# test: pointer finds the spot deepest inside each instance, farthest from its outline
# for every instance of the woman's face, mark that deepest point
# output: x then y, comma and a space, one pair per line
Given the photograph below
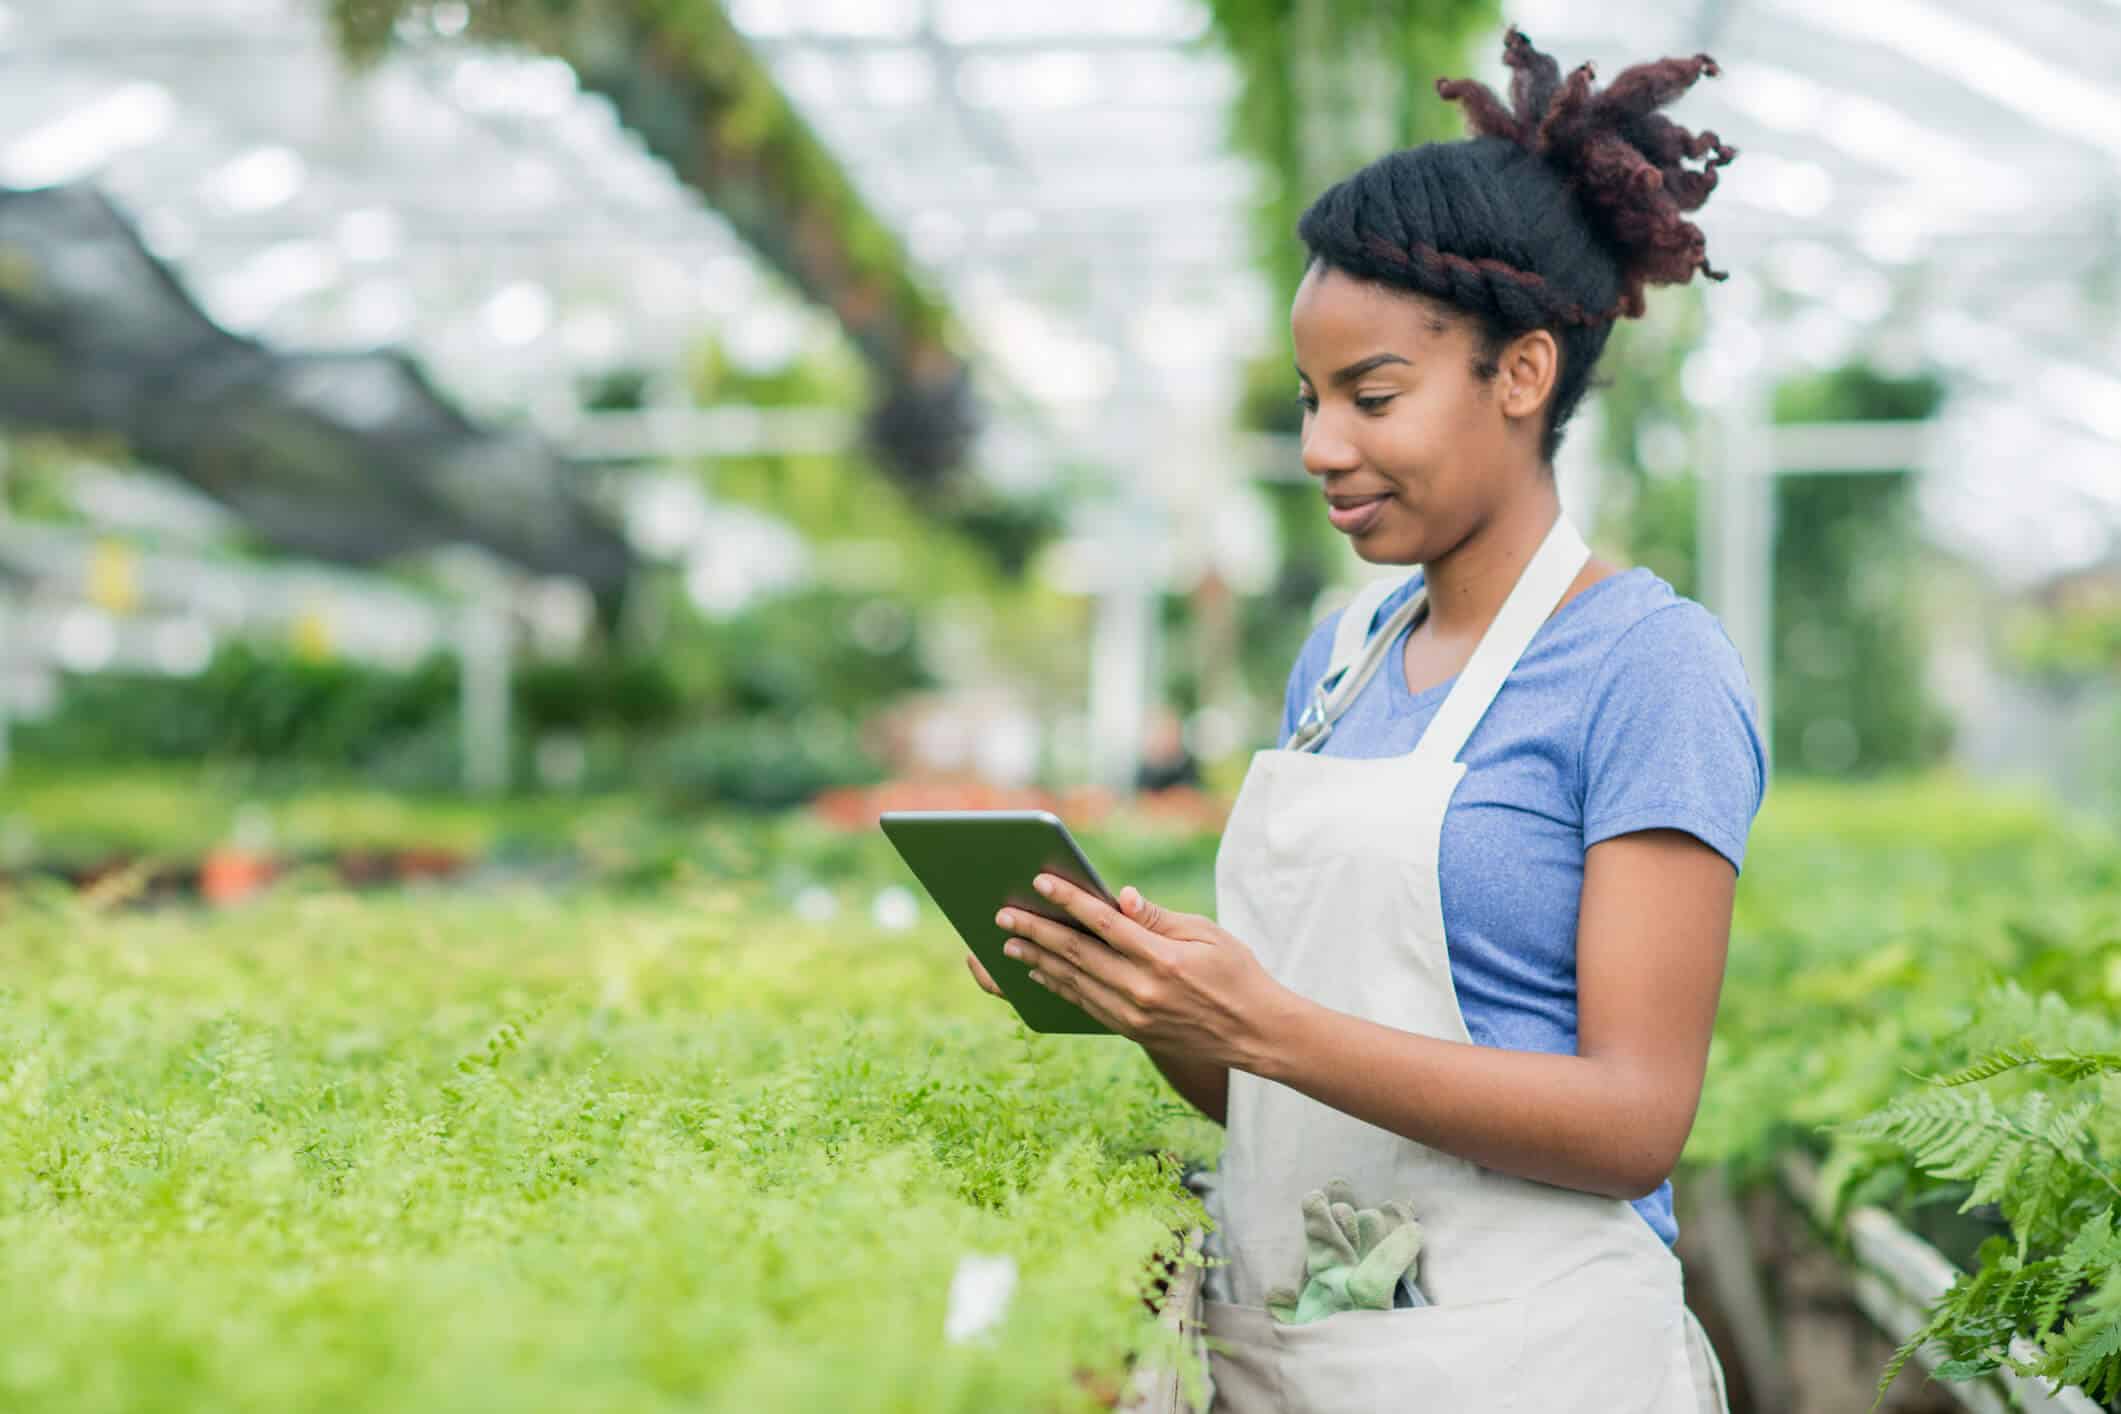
1413, 450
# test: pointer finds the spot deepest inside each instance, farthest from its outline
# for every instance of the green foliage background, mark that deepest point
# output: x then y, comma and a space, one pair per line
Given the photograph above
1850, 636
1851, 659
1892, 934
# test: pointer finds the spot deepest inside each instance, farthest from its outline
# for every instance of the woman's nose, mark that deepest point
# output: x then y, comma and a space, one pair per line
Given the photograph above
1325, 451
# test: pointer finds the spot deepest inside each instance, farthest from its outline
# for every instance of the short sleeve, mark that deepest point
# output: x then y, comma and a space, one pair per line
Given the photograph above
1671, 735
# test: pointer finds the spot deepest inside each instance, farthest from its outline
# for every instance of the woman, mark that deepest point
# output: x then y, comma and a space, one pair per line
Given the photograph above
1473, 913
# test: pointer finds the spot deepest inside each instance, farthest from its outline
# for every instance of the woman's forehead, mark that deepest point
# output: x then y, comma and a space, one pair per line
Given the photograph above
1332, 305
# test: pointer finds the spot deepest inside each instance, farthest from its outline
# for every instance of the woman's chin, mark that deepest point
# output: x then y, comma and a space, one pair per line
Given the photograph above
1382, 547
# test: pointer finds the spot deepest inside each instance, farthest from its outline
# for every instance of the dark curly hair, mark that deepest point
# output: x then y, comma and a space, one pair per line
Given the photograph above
1563, 204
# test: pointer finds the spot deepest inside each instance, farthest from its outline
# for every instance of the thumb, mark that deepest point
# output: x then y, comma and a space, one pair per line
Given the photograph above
1158, 919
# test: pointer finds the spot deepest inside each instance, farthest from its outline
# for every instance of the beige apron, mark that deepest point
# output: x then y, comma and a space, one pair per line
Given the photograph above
1546, 1299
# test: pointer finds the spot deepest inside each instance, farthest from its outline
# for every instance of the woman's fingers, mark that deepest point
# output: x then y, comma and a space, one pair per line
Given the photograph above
1087, 952
981, 975
1102, 919
1153, 916
1102, 1001
1167, 922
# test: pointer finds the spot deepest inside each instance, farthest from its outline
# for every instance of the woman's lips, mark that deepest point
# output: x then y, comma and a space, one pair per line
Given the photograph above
1353, 517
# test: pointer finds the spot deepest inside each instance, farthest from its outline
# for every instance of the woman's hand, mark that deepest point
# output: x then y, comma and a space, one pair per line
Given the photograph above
1176, 983
981, 975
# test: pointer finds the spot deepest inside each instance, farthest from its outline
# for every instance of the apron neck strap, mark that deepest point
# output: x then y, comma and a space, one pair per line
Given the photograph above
1353, 634
1357, 654
1531, 602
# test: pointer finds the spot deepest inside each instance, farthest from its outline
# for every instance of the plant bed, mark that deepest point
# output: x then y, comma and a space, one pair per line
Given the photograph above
226, 875
457, 1150
1168, 1385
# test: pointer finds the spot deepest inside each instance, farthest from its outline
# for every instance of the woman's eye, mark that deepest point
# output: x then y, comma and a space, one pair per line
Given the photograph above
1375, 404
1307, 402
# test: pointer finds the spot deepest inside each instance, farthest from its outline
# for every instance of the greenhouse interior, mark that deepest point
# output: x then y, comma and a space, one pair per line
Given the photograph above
503, 502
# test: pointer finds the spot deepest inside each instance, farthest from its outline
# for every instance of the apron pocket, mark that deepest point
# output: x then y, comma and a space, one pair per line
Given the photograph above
1597, 1345
1419, 1360
1244, 1364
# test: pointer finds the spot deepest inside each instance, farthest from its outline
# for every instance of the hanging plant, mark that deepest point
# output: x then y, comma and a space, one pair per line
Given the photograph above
1330, 84
681, 76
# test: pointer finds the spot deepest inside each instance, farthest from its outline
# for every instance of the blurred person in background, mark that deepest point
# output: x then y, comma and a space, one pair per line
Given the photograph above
1166, 759
1473, 912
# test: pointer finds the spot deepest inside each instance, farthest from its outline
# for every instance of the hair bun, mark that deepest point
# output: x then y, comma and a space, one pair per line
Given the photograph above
1623, 158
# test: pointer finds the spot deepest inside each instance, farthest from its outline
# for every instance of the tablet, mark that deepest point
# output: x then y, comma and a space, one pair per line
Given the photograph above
975, 863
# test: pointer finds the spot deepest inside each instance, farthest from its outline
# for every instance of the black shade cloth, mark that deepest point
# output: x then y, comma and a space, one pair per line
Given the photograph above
350, 457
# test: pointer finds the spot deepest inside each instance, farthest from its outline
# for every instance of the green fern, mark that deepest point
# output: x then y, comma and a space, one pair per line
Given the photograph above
2065, 1065
1972, 1324
2087, 1351
2093, 1251
2056, 1281
2036, 1163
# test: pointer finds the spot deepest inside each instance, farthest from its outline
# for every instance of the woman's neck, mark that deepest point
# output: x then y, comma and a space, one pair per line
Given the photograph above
1467, 587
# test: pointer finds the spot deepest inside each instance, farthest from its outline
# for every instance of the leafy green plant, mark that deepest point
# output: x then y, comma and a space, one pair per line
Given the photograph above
1921, 987
1868, 923
2070, 644
1849, 658
2041, 1158
633, 693
761, 764
651, 1091
249, 702
456, 1151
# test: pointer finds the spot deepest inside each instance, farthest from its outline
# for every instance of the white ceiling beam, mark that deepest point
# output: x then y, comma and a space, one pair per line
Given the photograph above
855, 46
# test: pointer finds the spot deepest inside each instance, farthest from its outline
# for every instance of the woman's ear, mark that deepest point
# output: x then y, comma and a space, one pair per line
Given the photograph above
1530, 365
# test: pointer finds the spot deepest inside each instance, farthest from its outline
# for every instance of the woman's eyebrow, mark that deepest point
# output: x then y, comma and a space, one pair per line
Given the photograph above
1361, 366
1356, 370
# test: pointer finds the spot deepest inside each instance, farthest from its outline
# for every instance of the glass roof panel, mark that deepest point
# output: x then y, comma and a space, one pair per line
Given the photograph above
470, 204
1918, 178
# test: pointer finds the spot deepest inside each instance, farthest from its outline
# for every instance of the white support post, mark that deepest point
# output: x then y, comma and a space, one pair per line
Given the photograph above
1735, 539
7, 676
1122, 648
7, 627
484, 653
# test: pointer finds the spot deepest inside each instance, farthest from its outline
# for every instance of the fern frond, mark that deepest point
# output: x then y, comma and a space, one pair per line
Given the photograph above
1944, 1133
2094, 1251
2087, 1353
2062, 1065
1956, 1134
1894, 1366
1971, 1324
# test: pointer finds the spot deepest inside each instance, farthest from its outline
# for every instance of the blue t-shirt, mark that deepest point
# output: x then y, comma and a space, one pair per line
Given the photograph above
1630, 710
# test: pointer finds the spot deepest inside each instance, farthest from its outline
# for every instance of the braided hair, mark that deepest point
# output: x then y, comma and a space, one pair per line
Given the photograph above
1561, 207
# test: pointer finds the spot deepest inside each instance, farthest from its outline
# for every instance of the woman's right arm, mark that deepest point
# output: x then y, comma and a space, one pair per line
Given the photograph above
1205, 1087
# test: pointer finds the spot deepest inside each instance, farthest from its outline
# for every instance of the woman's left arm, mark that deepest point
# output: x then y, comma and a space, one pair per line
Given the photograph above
1652, 934
1653, 929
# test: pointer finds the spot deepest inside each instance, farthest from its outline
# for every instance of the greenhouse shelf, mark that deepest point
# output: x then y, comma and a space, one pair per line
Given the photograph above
1160, 1389
1897, 1277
